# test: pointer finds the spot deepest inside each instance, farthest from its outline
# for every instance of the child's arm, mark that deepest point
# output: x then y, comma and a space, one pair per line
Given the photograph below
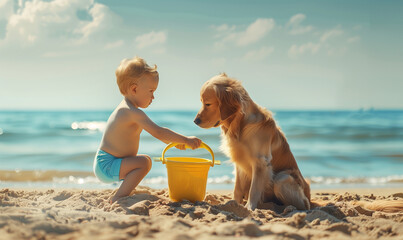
164, 134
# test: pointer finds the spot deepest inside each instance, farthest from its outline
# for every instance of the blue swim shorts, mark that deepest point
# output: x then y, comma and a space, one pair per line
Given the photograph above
107, 167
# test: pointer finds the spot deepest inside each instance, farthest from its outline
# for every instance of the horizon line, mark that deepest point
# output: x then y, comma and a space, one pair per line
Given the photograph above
196, 109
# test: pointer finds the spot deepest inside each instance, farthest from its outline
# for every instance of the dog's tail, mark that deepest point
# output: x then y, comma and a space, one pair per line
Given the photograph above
389, 206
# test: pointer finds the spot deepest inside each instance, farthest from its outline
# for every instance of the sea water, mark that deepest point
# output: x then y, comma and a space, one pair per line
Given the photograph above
332, 148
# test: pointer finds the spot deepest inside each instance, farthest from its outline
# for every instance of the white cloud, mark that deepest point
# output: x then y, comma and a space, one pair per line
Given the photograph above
325, 42
296, 19
151, 39
6, 9
56, 22
260, 54
294, 25
328, 35
252, 34
223, 28
255, 31
310, 47
102, 19
354, 39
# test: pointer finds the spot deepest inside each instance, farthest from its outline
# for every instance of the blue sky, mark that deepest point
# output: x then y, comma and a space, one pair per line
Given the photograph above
288, 54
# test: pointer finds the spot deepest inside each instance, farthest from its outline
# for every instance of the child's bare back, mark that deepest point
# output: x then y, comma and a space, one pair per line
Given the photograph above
122, 133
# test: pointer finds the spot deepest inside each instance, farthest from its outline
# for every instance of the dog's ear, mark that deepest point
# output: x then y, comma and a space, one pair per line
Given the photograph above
229, 100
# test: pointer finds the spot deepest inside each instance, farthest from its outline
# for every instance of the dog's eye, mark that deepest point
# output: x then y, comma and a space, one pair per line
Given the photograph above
207, 104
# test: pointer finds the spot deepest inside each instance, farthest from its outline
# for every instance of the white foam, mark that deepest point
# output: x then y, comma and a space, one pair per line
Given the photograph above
148, 181
221, 180
352, 180
155, 180
89, 125
76, 180
229, 180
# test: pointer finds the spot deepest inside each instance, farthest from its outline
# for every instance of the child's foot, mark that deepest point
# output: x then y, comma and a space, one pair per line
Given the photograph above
113, 199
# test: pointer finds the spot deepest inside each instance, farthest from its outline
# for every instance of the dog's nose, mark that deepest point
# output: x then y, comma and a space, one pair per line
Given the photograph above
197, 121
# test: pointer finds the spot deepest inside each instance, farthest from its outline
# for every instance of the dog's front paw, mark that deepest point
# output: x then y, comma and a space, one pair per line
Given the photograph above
238, 198
251, 206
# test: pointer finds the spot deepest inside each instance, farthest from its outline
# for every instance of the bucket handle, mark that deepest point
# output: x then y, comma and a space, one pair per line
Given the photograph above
202, 145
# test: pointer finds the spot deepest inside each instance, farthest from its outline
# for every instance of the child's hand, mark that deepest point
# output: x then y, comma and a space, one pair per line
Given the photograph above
193, 142
181, 146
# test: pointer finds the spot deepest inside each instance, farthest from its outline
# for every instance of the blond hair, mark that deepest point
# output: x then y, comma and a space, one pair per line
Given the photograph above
130, 71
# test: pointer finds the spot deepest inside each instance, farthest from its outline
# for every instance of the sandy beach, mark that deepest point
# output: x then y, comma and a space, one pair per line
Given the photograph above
149, 214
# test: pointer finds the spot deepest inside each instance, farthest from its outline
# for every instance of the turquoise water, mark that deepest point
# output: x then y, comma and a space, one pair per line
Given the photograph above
332, 148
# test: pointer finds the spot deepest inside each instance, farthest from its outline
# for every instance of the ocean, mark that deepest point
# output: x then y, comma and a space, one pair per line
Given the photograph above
334, 149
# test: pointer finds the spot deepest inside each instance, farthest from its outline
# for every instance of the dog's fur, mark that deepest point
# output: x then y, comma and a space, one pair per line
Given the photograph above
265, 167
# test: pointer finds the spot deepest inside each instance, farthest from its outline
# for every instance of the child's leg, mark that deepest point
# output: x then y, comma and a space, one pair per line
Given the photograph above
132, 170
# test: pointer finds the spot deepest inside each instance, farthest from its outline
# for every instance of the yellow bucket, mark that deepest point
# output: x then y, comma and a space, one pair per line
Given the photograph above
187, 176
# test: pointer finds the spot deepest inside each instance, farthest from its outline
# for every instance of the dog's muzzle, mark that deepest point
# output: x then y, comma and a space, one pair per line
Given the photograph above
197, 121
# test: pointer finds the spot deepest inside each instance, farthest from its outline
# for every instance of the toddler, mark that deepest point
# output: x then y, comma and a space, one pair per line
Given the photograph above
117, 157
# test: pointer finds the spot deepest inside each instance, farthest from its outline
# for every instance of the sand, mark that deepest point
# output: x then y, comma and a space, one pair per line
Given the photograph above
149, 214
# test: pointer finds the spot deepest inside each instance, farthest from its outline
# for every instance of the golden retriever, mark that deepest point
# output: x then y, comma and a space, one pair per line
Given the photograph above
265, 167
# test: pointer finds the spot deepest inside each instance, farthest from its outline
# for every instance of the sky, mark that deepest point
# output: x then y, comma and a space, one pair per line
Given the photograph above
291, 55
